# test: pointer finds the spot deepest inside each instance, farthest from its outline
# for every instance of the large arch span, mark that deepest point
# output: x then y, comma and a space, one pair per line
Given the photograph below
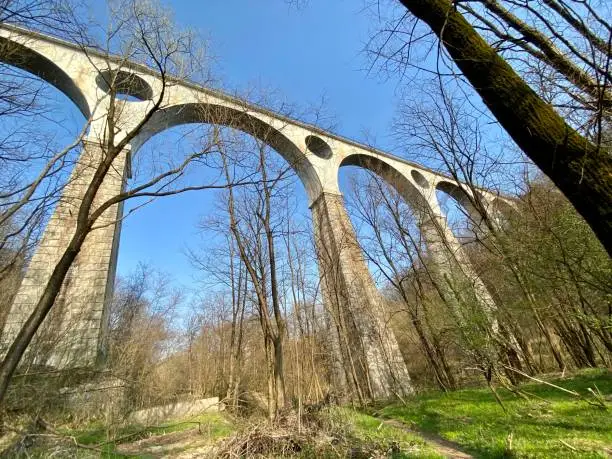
15, 52
215, 114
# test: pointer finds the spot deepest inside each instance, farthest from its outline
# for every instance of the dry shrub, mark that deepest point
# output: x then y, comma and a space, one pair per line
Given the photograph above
322, 433
262, 441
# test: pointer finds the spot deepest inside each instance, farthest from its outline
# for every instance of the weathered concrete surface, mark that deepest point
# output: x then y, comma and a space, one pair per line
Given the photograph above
364, 337
179, 410
101, 398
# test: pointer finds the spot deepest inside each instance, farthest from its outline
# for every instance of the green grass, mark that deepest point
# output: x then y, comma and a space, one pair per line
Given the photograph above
213, 425
539, 429
363, 429
551, 424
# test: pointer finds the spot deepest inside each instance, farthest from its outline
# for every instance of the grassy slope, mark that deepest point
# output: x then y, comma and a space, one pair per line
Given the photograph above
474, 420
369, 430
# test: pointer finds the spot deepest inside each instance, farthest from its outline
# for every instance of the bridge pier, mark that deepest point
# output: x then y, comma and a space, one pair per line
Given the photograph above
450, 264
368, 361
463, 290
73, 335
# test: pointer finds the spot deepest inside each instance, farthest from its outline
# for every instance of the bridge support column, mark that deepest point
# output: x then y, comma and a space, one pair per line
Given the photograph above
73, 335
463, 290
370, 358
452, 266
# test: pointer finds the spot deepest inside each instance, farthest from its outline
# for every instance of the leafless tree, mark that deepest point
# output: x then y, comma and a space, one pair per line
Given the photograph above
139, 333
145, 34
571, 40
254, 228
25, 105
392, 242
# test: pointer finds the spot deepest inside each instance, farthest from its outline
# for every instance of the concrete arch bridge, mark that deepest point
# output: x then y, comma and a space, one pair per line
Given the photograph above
349, 292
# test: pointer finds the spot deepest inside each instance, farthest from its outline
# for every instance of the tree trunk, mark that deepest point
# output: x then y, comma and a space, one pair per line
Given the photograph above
279, 374
581, 170
44, 305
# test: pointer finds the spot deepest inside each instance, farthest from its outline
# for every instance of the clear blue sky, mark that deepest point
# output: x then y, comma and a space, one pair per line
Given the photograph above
303, 54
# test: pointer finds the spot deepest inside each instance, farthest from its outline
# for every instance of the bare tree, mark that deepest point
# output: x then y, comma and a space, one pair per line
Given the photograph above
253, 227
140, 316
392, 242
144, 33
449, 136
448, 133
26, 106
222, 268
264, 226
572, 156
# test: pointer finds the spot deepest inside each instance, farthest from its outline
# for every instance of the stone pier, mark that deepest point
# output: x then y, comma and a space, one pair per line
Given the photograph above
369, 353
73, 335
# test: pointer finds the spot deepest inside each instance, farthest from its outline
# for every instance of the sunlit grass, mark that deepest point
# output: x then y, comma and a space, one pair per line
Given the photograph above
364, 429
211, 425
553, 424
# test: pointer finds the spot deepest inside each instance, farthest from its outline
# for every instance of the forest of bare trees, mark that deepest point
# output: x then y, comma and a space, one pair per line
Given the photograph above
516, 100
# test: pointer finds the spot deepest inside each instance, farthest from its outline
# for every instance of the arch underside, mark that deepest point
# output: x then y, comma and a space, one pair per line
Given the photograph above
208, 113
460, 196
431, 223
497, 207
392, 177
27, 59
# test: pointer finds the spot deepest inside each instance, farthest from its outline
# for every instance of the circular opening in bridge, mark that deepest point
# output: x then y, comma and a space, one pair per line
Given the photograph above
128, 86
318, 146
419, 178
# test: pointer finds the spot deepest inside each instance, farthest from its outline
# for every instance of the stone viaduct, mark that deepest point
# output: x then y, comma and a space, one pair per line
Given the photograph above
351, 297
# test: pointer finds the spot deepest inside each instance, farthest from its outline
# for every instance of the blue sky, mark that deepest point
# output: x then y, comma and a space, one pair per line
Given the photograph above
302, 54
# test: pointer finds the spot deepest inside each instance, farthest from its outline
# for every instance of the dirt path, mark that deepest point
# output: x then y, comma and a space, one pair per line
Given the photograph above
445, 447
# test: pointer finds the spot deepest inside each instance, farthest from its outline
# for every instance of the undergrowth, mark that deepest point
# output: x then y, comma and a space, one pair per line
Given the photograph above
332, 432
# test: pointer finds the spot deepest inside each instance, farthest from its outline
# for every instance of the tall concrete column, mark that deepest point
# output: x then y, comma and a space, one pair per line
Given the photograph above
370, 356
471, 302
450, 262
73, 334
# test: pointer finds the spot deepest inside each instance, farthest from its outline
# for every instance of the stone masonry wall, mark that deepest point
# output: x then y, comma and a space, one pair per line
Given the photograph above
73, 334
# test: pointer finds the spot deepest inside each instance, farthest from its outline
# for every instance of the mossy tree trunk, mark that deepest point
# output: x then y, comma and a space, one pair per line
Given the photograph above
580, 169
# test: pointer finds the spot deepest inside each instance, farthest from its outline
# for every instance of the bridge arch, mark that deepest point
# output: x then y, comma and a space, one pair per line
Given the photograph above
498, 208
210, 113
412, 193
464, 203
26, 58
